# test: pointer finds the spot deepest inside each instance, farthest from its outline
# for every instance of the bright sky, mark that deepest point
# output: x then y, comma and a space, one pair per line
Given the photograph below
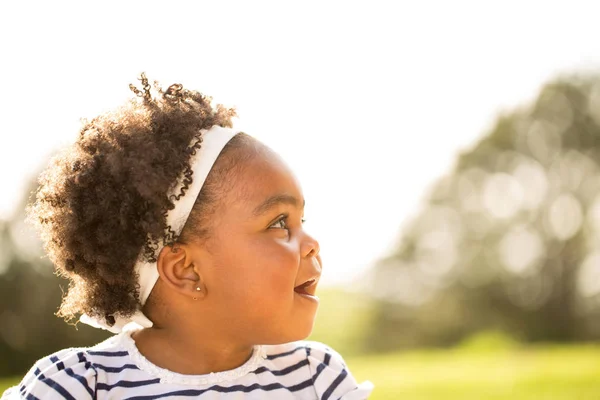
368, 101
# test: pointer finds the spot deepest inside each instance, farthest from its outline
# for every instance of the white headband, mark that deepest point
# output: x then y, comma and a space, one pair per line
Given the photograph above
213, 142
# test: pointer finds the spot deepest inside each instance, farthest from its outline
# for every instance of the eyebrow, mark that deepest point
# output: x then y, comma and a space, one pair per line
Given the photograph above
274, 201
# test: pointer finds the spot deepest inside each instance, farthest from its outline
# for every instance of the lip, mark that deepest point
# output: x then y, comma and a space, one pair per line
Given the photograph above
309, 287
309, 297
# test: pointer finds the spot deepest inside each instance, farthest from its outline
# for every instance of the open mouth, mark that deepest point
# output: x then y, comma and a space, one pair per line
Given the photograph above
307, 288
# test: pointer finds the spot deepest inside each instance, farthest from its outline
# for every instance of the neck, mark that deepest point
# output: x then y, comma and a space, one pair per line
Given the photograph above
184, 352
185, 345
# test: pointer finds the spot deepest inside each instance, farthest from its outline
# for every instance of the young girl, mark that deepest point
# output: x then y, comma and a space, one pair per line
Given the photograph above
184, 237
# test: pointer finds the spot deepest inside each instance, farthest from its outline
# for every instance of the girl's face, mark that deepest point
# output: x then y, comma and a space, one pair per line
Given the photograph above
258, 253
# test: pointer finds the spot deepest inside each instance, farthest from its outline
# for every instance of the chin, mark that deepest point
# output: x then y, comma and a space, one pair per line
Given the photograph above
292, 333
302, 334
302, 330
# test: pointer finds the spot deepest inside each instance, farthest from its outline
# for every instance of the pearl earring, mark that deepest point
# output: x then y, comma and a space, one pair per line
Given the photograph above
197, 290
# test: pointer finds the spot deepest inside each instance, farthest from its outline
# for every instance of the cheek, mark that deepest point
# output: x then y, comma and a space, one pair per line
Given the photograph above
268, 267
259, 269
274, 265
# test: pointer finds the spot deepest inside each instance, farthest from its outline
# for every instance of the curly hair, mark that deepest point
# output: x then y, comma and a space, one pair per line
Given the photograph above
102, 202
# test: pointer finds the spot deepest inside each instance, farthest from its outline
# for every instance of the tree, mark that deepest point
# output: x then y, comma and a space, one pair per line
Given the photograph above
29, 296
508, 239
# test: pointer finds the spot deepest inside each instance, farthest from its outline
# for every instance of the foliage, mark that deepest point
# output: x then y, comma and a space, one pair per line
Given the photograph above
29, 297
489, 341
508, 239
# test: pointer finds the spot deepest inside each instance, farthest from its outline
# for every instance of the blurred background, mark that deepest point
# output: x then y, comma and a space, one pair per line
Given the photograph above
449, 153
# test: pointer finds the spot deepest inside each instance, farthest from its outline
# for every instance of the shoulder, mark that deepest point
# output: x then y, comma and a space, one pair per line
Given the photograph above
324, 353
67, 374
328, 371
331, 376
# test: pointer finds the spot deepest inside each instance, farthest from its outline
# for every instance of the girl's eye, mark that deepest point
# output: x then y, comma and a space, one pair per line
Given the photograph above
280, 223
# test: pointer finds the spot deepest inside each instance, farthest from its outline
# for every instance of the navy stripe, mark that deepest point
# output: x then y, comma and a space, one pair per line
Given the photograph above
115, 369
322, 366
53, 359
274, 356
37, 371
320, 369
127, 384
300, 386
61, 390
31, 397
86, 363
284, 371
81, 380
334, 384
221, 389
108, 353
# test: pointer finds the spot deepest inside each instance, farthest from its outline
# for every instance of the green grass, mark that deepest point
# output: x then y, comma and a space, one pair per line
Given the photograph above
540, 373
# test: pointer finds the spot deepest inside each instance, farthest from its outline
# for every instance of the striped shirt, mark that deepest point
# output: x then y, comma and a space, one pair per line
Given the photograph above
114, 369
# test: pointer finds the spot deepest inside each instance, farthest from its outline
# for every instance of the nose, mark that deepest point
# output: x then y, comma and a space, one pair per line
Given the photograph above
310, 247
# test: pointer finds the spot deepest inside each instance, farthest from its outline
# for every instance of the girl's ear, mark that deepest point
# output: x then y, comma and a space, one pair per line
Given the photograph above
178, 272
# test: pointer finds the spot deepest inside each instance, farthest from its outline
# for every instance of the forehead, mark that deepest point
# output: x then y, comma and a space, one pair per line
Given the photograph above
261, 176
